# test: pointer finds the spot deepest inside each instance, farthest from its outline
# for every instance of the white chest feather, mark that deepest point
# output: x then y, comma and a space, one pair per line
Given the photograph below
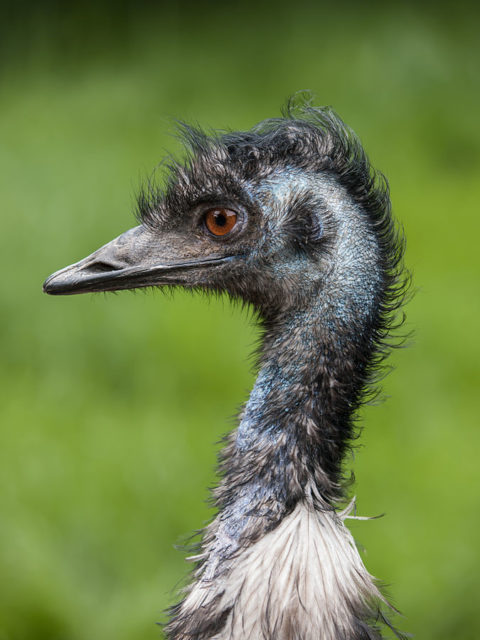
302, 581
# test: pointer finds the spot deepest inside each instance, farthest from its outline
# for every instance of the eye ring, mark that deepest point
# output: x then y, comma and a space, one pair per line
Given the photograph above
220, 221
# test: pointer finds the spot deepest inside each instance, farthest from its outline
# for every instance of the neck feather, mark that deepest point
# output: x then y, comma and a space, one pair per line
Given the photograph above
298, 421
281, 473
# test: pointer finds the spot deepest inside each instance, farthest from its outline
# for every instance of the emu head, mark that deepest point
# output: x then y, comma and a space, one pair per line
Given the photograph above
271, 216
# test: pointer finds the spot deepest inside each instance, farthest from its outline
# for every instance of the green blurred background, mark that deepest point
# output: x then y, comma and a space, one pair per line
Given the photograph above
111, 405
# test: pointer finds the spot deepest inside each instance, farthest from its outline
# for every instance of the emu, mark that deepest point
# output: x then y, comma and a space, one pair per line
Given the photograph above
291, 219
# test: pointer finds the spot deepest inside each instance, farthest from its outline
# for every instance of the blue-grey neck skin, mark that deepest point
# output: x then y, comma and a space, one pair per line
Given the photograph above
296, 425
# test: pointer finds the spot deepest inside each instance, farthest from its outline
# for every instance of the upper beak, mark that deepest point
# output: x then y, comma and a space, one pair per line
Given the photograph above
135, 259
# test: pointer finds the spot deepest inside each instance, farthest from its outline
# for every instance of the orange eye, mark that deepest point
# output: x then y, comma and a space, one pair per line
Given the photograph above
220, 221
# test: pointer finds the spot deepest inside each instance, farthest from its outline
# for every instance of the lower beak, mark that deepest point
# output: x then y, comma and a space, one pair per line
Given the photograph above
130, 261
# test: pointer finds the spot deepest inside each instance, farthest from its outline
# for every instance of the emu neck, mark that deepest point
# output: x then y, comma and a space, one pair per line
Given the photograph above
299, 412
294, 429
272, 560
292, 419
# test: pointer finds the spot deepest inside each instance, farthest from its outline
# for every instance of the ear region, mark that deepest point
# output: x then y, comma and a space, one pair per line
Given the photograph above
303, 226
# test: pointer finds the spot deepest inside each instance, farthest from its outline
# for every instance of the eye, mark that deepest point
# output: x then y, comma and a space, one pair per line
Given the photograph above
220, 221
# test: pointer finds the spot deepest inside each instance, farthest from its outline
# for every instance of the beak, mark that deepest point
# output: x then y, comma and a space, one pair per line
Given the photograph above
135, 259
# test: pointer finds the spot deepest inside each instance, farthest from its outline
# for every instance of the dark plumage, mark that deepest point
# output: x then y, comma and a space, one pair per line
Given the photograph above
314, 249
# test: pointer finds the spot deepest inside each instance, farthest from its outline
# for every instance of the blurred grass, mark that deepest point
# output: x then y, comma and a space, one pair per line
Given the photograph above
111, 405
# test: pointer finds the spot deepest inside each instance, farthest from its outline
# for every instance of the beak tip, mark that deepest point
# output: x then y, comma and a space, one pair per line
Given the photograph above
57, 285
47, 286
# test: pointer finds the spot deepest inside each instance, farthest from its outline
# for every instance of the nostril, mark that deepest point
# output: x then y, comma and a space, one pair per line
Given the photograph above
102, 267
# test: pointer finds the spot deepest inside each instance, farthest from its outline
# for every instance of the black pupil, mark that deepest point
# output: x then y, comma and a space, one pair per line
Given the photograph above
220, 219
